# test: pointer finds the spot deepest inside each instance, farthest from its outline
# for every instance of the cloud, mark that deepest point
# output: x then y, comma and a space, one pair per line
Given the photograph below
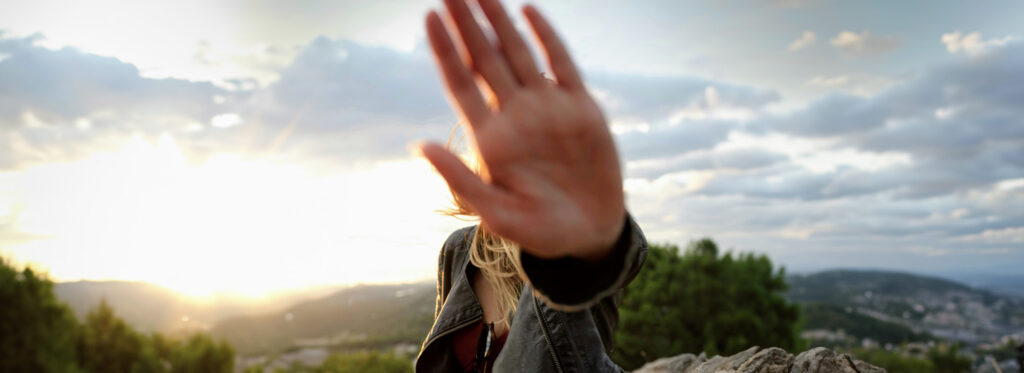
639, 98
666, 116
805, 40
355, 84
793, 3
706, 160
859, 84
673, 140
926, 171
832, 115
863, 43
925, 164
58, 86
349, 102
971, 44
959, 125
61, 104
338, 101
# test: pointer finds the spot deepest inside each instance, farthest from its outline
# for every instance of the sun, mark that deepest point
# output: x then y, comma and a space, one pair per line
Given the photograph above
230, 224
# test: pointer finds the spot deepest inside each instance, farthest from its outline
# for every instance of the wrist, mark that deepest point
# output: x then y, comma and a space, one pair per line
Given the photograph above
606, 245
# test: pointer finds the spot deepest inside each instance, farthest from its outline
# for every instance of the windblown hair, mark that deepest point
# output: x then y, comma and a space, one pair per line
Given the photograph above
495, 256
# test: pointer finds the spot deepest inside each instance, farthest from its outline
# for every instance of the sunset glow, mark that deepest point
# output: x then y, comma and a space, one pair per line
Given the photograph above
227, 224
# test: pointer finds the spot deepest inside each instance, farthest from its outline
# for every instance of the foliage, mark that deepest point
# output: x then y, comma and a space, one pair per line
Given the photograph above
703, 301
107, 344
40, 334
349, 362
949, 360
893, 361
940, 359
37, 333
200, 353
370, 362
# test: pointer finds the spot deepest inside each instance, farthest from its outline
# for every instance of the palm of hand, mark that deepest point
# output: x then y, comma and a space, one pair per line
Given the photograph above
550, 177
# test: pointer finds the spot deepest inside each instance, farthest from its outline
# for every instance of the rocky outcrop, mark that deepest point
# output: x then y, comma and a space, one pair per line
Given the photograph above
757, 360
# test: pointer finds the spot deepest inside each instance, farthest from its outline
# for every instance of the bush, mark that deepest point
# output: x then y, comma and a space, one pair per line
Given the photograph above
703, 301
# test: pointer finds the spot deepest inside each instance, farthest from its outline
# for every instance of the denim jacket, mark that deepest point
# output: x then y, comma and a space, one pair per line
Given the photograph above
566, 316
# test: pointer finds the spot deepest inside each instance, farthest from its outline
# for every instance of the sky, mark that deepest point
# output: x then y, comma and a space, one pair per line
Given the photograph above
259, 146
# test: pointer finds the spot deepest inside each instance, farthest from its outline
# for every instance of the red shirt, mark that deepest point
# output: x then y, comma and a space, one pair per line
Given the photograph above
466, 343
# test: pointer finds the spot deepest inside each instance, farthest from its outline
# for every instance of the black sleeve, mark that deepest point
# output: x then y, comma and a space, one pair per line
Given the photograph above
572, 284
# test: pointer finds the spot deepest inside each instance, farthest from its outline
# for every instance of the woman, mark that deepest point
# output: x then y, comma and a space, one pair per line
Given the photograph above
535, 287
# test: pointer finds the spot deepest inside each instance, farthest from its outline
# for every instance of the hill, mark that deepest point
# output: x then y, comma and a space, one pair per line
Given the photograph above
360, 316
924, 305
151, 307
854, 327
997, 283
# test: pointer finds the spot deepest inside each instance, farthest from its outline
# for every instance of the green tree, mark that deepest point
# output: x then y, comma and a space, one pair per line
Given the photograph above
348, 362
894, 361
947, 359
37, 332
108, 344
368, 362
200, 353
939, 359
703, 301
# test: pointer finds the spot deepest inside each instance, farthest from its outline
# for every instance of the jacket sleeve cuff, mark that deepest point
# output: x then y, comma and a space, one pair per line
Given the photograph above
572, 284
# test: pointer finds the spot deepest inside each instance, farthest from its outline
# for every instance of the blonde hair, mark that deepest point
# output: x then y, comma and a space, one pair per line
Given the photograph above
495, 256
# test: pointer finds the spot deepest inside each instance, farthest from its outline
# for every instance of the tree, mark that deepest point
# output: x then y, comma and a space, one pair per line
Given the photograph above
368, 362
108, 344
703, 301
201, 353
939, 359
37, 332
947, 359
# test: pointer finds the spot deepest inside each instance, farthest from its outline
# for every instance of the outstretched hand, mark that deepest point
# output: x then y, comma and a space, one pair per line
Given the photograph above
550, 178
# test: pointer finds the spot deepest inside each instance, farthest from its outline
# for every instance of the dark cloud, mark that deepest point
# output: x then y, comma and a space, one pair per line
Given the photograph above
345, 84
60, 86
961, 125
681, 114
338, 100
974, 96
836, 114
64, 104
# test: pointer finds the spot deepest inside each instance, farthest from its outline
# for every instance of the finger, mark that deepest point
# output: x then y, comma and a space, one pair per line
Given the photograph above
512, 45
461, 180
461, 85
484, 58
558, 57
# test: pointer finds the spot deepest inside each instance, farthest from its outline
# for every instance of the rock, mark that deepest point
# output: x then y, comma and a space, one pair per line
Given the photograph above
769, 360
821, 359
863, 367
727, 363
678, 363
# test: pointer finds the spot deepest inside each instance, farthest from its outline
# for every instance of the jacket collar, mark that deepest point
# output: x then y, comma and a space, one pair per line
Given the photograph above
461, 305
